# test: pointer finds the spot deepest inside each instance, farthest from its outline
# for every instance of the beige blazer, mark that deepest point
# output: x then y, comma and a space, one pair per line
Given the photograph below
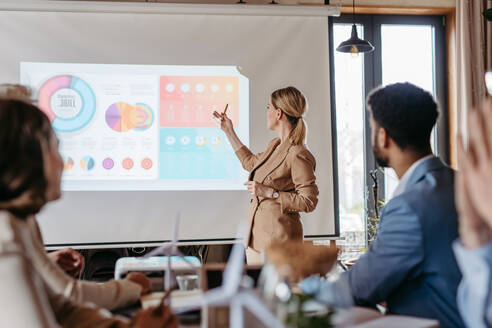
289, 170
25, 299
109, 295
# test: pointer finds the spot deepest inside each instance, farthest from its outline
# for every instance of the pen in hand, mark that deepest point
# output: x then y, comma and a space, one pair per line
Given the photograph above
225, 110
164, 301
225, 122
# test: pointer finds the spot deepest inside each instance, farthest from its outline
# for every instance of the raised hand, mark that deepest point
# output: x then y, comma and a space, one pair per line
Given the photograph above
476, 162
474, 231
225, 121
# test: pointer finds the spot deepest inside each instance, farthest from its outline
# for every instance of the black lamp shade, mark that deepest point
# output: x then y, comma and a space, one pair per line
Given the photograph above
354, 41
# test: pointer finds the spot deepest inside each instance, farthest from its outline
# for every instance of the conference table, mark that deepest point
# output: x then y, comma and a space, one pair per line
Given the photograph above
355, 317
218, 317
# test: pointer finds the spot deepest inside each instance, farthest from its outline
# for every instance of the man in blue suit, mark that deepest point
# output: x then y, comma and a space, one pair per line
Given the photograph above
410, 265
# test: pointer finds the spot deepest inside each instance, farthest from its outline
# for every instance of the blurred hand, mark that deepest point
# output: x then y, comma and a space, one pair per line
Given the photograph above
69, 260
225, 122
476, 162
142, 280
155, 317
474, 231
311, 285
258, 189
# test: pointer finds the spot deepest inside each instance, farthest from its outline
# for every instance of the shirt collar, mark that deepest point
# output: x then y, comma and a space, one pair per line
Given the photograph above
404, 179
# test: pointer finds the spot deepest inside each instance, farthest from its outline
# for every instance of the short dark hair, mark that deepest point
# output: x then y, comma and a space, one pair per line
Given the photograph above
24, 130
407, 113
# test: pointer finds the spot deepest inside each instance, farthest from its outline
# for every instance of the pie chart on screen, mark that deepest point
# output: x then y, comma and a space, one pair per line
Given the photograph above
123, 117
68, 101
69, 163
127, 163
87, 163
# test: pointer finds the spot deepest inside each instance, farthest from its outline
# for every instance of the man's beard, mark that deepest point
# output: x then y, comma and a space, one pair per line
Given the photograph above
382, 162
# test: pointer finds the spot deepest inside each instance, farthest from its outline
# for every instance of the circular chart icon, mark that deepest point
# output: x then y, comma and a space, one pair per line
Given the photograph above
146, 163
185, 87
170, 140
87, 163
108, 163
215, 88
170, 87
68, 101
216, 140
127, 163
123, 117
185, 140
68, 164
200, 141
200, 88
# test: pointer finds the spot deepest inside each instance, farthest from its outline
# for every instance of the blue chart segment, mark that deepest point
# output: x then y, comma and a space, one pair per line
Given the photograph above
191, 153
87, 163
68, 101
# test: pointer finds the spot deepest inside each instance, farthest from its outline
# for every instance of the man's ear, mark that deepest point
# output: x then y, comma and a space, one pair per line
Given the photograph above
383, 138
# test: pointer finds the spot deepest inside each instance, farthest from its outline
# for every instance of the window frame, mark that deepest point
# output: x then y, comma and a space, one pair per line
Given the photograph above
372, 77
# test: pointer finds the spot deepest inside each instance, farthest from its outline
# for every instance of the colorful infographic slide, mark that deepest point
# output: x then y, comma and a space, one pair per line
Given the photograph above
143, 127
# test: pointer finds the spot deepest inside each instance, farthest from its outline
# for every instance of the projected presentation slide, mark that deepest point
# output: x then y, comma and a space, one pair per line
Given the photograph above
143, 127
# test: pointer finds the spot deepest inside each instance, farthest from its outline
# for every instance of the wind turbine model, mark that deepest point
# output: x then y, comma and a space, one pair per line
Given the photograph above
236, 296
230, 292
169, 250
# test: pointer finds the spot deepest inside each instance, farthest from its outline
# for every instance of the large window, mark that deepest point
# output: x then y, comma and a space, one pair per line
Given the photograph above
407, 48
349, 99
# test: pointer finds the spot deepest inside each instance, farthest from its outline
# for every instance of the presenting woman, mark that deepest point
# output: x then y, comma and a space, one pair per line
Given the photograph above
281, 180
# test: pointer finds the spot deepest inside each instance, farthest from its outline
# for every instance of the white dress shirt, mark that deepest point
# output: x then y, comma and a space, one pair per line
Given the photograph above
475, 290
404, 179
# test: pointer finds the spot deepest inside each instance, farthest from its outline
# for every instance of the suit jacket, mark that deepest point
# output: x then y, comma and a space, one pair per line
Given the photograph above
289, 170
411, 264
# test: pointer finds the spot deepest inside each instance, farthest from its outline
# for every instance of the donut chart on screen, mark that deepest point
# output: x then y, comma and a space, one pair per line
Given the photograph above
123, 117
68, 101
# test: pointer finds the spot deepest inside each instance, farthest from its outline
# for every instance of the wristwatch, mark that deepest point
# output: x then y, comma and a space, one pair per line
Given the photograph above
275, 194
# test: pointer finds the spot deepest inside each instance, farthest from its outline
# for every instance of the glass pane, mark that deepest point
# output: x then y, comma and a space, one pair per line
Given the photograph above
407, 56
349, 99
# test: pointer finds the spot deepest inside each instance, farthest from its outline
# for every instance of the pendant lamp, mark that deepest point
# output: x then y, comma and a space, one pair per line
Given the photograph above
354, 45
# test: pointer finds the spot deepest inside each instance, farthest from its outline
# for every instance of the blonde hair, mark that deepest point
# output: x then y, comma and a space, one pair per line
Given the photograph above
293, 104
15, 92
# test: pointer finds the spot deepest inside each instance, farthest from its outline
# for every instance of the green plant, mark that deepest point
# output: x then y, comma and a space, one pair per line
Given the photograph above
372, 223
301, 319
487, 13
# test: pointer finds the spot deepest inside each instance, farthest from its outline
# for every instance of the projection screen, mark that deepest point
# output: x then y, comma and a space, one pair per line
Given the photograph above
108, 76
